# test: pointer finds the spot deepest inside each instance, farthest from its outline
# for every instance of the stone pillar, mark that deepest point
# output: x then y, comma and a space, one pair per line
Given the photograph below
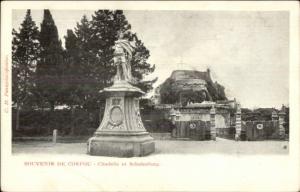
281, 123
238, 123
274, 116
54, 136
213, 123
173, 117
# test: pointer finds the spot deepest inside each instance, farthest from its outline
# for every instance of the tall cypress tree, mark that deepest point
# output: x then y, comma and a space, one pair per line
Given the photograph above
104, 34
88, 65
95, 41
71, 85
72, 71
25, 55
50, 70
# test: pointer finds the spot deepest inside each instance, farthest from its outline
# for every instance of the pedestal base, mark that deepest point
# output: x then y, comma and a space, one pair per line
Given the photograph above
121, 145
121, 132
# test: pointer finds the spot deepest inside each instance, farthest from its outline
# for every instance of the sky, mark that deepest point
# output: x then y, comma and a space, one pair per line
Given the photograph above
247, 52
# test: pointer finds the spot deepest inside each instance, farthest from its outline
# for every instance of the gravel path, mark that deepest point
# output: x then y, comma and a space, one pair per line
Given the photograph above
220, 146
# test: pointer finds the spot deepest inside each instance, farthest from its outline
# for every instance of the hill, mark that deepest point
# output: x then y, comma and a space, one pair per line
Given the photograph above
189, 85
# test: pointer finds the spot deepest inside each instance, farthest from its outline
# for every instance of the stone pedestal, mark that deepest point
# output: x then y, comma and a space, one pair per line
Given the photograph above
121, 132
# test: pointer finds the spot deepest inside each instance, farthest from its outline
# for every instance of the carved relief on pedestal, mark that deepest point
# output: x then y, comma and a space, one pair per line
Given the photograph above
114, 114
138, 115
116, 118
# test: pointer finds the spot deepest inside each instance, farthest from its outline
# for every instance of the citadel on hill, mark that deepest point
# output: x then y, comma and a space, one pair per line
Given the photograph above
199, 110
186, 86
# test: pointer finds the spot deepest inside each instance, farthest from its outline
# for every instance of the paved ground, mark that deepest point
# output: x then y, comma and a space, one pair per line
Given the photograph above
220, 146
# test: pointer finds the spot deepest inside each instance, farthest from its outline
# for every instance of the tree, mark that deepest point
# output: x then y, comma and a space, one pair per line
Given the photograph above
50, 69
72, 70
89, 65
71, 85
95, 41
25, 55
140, 66
168, 92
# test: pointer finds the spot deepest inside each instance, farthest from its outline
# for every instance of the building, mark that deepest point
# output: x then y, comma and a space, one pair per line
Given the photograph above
197, 106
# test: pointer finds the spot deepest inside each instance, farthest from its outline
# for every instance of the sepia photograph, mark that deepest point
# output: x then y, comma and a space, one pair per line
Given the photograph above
114, 88
77, 69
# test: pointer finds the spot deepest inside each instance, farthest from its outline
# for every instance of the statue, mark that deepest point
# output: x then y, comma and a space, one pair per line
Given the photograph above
121, 132
122, 58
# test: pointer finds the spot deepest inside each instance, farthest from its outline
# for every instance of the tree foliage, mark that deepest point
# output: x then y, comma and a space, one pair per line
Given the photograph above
25, 55
168, 93
90, 49
50, 68
53, 76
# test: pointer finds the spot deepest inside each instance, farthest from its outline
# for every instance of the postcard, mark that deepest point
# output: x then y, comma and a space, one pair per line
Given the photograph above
150, 96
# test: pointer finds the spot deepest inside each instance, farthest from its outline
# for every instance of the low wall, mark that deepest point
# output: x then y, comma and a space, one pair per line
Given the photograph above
253, 131
194, 130
261, 130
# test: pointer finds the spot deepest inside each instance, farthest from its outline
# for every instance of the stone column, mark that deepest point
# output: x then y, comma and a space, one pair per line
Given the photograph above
274, 116
238, 123
213, 123
173, 117
54, 136
281, 123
